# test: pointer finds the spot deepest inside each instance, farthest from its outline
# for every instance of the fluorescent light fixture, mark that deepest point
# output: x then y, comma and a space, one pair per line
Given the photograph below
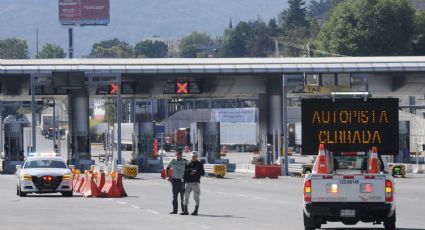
350, 94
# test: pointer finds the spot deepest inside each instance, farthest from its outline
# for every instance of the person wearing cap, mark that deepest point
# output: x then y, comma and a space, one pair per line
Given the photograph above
178, 166
194, 171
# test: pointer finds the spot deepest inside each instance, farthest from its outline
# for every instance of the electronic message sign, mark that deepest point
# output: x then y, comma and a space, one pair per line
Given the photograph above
350, 125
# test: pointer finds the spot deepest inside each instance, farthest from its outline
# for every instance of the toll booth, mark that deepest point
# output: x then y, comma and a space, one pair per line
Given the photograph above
79, 149
143, 154
13, 145
205, 139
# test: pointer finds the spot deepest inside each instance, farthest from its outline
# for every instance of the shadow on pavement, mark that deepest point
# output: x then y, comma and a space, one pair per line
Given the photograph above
371, 228
52, 196
221, 216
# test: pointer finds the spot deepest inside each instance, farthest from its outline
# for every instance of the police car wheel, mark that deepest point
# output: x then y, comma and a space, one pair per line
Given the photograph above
20, 193
67, 194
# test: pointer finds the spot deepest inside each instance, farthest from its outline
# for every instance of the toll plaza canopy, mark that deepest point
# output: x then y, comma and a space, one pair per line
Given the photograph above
216, 65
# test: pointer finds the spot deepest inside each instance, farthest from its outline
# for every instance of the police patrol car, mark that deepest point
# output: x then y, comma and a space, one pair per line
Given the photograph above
44, 173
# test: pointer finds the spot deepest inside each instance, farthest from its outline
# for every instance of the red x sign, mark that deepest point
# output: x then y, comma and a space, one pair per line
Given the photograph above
182, 88
114, 89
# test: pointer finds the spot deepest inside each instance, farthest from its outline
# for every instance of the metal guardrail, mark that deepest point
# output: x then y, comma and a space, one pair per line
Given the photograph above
299, 169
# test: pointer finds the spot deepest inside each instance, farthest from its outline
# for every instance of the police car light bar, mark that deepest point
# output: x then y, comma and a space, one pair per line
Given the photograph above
43, 154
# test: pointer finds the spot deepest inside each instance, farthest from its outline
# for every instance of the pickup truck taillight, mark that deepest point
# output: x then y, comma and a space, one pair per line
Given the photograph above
307, 191
389, 191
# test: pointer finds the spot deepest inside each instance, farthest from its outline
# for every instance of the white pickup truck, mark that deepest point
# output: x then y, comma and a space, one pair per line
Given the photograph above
349, 194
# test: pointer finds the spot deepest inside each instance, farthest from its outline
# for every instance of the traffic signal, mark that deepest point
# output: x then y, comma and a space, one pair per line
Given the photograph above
182, 87
112, 88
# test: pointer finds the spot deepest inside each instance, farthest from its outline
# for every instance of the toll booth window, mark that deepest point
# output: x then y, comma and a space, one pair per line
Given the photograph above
344, 80
328, 80
83, 146
312, 79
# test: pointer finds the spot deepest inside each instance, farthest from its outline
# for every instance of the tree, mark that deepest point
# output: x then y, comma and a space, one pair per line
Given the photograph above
150, 49
110, 113
320, 9
112, 49
369, 28
13, 48
51, 51
249, 39
418, 41
295, 15
195, 44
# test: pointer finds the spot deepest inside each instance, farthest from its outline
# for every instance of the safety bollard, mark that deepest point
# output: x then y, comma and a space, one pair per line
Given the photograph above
111, 188
90, 188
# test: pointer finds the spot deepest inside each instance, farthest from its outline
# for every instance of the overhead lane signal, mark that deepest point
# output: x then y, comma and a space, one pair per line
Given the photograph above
113, 88
183, 87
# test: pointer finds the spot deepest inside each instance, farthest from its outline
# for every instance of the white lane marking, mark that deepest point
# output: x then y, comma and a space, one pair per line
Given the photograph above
175, 218
121, 202
136, 207
200, 225
240, 195
152, 211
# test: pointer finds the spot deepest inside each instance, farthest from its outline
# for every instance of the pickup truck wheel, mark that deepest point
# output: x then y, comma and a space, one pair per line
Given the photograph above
310, 223
67, 194
389, 223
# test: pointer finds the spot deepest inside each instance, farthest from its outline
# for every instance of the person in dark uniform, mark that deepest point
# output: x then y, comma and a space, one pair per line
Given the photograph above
178, 166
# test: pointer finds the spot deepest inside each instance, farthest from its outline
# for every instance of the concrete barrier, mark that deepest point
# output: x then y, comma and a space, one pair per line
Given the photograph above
218, 170
245, 168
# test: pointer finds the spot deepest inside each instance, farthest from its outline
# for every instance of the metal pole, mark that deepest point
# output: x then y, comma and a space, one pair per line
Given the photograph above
273, 148
119, 118
279, 144
33, 110
36, 38
285, 126
71, 43
54, 126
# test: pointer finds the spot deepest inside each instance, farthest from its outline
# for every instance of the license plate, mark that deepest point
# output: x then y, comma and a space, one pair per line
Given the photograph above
348, 213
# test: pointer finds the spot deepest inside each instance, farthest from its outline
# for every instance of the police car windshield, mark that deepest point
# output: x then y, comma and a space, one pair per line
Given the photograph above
45, 164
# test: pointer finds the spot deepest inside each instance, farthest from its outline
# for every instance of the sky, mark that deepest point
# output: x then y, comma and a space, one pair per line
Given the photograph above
131, 20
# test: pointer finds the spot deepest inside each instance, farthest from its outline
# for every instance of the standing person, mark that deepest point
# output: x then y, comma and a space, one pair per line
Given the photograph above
178, 166
192, 177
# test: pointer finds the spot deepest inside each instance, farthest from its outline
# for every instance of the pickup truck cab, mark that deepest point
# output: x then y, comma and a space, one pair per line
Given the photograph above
349, 193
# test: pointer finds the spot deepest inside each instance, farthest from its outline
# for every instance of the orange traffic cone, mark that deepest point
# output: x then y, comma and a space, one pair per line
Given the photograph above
373, 162
321, 166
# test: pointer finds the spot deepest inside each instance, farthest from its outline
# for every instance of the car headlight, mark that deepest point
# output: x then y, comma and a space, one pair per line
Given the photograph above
26, 177
67, 177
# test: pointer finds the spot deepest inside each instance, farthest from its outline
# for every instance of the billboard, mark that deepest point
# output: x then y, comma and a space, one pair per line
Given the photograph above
350, 125
84, 12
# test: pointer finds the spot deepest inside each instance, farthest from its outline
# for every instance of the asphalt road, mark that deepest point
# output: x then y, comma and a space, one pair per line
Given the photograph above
236, 202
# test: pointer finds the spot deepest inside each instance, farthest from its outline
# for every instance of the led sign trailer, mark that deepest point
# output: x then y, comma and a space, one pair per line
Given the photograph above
350, 125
